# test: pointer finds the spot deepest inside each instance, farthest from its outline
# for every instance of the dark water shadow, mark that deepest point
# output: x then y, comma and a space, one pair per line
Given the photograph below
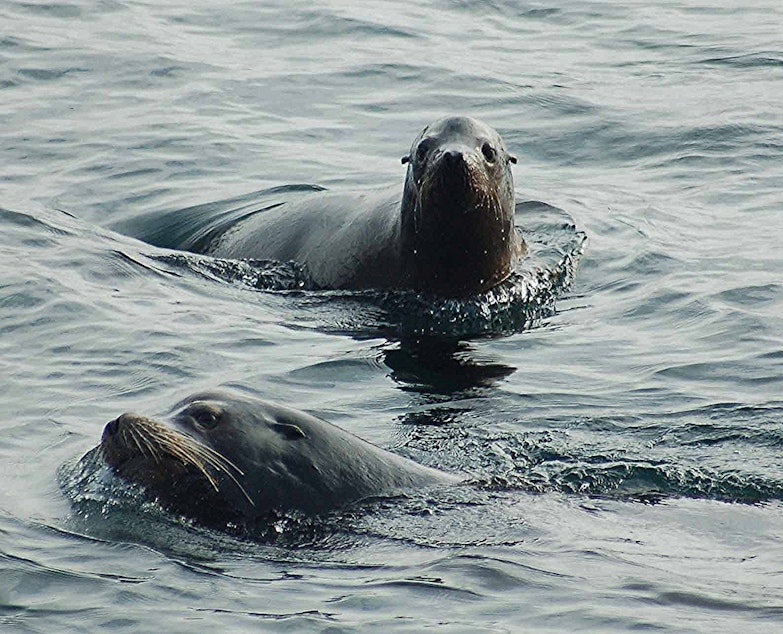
441, 367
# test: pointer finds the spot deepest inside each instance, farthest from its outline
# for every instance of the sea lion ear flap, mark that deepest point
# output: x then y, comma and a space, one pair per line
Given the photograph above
289, 432
405, 159
512, 159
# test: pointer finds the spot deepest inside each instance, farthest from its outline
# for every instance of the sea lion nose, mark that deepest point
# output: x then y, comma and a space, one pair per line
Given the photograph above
114, 426
111, 427
453, 158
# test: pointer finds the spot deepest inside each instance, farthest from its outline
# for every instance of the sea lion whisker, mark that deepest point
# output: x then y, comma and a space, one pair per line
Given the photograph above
214, 454
221, 463
152, 449
165, 443
494, 201
182, 448
191, 451
216, 457
148, 428
183, 442
160, 439
210, 478
131, 432
184, 451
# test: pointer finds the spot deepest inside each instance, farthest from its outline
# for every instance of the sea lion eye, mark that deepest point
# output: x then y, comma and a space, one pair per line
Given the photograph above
489, 153
422, 149
205, 418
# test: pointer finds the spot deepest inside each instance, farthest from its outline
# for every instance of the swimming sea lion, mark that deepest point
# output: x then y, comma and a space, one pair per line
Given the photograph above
231, 461
449, 233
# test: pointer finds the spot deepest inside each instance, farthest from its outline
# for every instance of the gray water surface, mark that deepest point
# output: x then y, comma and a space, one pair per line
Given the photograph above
623, 451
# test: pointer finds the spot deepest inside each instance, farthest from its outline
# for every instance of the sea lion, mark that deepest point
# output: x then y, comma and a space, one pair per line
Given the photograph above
230, 461
450, 232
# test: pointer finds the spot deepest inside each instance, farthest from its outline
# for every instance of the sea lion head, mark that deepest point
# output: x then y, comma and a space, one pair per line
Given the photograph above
234, 462
219, 458
458, 235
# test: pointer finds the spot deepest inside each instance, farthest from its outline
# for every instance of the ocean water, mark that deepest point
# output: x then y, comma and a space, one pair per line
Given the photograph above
621, 448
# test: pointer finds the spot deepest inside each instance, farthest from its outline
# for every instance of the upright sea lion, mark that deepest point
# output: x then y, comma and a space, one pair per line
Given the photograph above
232, 461
450, 232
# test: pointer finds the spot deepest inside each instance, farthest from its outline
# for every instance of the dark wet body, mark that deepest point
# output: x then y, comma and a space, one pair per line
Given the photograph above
450, 232
233, 461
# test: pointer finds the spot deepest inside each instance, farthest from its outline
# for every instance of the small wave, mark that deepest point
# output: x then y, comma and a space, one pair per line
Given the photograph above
649, 461
652, 482
761, 59
266, 275
610, 476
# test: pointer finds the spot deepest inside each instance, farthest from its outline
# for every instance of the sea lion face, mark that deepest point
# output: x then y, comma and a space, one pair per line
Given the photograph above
219, 459
458, 208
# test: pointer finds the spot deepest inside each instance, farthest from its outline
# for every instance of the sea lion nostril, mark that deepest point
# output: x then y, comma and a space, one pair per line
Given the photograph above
452, 158
116, 425
127, 418
112, 427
